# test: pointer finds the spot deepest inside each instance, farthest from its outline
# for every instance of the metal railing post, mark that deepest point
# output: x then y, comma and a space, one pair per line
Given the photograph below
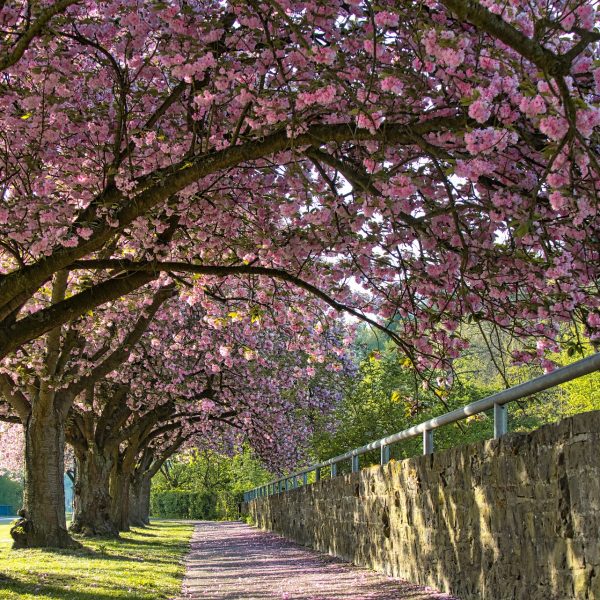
305, 479
385, 455
355, 463
333, 469
500, 420
428, 441
318, 474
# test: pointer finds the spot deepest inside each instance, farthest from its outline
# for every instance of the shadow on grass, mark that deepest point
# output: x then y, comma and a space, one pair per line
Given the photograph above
58, 592
144, 533
118, 553
6, 579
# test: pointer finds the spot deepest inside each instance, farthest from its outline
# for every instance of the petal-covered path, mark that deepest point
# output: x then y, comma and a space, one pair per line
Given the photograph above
233, 561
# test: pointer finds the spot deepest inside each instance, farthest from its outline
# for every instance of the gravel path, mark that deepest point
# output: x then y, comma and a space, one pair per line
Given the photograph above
233, 561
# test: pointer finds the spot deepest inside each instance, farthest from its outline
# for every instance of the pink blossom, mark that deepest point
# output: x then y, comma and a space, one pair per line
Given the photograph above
207, 405
558, 201
532, 106
392, 84
85, 232
386, 19
554, 127
480, 111
597, 80
586, 13
323, 96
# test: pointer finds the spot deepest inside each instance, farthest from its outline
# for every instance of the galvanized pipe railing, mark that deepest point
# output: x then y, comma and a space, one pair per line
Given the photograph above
497, 402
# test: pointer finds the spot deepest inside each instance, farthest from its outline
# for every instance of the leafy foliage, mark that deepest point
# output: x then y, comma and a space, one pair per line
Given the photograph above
204, 484
181, 504
387, 397
11, 492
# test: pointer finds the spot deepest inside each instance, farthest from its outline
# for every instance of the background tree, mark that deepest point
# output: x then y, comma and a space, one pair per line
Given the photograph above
204, 483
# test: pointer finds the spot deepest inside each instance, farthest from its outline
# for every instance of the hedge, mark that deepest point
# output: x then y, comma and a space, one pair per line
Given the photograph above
183, 504
11, 493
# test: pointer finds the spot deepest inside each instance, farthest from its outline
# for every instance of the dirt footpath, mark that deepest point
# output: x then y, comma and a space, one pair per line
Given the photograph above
233, 561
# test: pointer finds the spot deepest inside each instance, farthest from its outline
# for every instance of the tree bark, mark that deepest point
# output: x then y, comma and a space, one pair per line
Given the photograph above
139, 501
43, 523
145, 500
119, 492
92, 503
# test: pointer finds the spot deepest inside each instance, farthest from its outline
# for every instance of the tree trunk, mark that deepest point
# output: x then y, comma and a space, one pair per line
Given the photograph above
145, 500
92, 502
135, 514
119, 492
43, 523
139, 501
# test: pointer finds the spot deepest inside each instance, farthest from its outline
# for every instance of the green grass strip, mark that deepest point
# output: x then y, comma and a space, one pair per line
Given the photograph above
145, 564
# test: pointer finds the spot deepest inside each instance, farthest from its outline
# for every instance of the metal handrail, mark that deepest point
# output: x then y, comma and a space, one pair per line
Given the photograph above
497, 402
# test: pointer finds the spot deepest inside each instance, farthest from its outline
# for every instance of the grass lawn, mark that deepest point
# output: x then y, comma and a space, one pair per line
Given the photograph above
145, 564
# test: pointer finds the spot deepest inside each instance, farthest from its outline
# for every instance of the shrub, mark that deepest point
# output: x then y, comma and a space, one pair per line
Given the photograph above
184, 504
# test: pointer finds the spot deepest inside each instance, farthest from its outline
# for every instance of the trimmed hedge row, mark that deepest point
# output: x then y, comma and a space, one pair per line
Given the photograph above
11, 493
183, 504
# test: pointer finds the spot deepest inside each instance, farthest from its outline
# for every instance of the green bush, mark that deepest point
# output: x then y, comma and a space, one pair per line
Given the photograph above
11, 492
184, 504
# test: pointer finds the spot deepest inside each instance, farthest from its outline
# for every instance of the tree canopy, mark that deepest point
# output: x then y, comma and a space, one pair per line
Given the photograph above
190, 192
441, 155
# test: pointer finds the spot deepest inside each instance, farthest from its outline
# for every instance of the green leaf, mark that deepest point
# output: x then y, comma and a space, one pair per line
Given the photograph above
523, 229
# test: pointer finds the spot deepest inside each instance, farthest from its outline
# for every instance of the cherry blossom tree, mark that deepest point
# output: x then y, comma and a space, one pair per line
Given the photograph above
409, 162
466, 134
203, 374
41, 382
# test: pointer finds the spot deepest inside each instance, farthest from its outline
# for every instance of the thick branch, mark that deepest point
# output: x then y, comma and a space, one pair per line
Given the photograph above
224, 271
41, 322
35, 29
15, 398
167, 182
498, 28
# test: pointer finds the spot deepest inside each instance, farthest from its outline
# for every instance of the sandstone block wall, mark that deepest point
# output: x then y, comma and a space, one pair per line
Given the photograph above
510, 519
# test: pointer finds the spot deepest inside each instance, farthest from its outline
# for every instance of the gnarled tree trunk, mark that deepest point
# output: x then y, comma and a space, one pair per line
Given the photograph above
92, 502
43, 523
119, 493
139, 501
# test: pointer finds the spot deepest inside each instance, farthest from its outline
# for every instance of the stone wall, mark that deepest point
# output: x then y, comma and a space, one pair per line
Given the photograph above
510, 519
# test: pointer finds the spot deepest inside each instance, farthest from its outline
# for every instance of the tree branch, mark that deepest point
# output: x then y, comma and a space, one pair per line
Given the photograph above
34, 30
224, 271
120, 354
15, 398
167, 182
498, 28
